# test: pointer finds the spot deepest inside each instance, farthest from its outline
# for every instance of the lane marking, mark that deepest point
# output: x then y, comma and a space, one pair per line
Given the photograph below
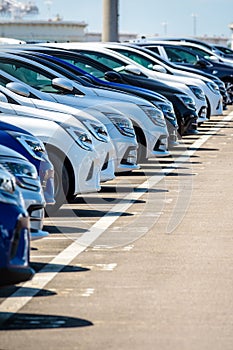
29, 289
88, 292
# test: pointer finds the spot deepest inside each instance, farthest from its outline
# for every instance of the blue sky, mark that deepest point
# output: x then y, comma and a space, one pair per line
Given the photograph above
149, 17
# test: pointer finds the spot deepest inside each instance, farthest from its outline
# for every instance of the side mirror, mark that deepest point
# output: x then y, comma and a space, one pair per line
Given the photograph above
159, 68
133, 69
202, 63
3, 98
18, 89
113, 77
213, 58
63, 84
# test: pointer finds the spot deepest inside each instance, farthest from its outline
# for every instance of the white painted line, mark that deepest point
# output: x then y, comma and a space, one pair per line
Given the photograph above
88, 292
52, 237
30, 288
42, 256
107, 267
128, 248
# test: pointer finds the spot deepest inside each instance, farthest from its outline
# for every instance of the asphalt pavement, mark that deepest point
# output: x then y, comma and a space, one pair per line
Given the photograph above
146, 263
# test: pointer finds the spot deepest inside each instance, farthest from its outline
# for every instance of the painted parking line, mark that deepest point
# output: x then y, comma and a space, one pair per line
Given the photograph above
29, 289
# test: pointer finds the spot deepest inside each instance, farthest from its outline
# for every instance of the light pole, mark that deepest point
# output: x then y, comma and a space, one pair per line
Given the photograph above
110, 20
164, 24
194, 15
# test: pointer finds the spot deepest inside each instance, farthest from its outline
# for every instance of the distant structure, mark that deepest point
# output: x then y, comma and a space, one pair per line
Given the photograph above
17, 10
231, 28
16, 25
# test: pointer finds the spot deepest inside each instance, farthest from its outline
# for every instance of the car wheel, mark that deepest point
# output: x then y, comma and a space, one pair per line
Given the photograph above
141, 151
61, 183
229, 88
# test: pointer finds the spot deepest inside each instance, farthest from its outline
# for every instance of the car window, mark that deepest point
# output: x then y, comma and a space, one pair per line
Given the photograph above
28, 74
153, 49
225, 50
201, 53
178, 55
140, 59
108, 61
84, 66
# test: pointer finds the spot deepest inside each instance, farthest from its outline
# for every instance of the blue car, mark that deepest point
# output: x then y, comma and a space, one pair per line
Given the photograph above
33, 149
14, 233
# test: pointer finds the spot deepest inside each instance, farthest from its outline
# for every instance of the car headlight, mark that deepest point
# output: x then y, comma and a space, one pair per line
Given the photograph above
199, 93
25, 174
9, 192
166, 108
7, 182
220, 84
123, 125
80, 136
213, 87
155, 114
98, 130
188, 101
33, 145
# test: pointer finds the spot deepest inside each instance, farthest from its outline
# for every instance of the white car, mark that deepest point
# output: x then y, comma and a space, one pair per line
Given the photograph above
203, 51
70, 149
29, 184
100, 137
121, 63
163, 72
119, 128
47, 84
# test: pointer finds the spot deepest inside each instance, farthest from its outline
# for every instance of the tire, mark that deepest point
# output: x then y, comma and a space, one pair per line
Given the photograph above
61, 183
141, 151
229, 88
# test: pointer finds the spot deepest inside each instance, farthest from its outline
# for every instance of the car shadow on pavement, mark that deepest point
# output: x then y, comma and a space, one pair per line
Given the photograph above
38, 266
204, 149
102, 200
23, 321
53, 229
94, 213
7, 292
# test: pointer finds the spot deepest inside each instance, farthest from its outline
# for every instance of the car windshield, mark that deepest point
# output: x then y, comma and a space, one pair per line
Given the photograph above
225, 50
110, 62
136, 57
85, 66
178, 55
201, 53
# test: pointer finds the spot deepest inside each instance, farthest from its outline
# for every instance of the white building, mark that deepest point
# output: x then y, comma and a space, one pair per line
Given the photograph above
55, 30
64, 31
231, 28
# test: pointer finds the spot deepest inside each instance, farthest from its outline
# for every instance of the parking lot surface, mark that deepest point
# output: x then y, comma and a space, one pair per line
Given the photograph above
146, 263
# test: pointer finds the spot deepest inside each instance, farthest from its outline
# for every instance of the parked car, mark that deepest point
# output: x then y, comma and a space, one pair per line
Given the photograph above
210, 46
211, 90
28, 181
71, 71
148, 121
175, 105
219, 50
70, 149
108, 57
117, 154
183, 69
14, 233
226, 51
181, 54
33, 149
